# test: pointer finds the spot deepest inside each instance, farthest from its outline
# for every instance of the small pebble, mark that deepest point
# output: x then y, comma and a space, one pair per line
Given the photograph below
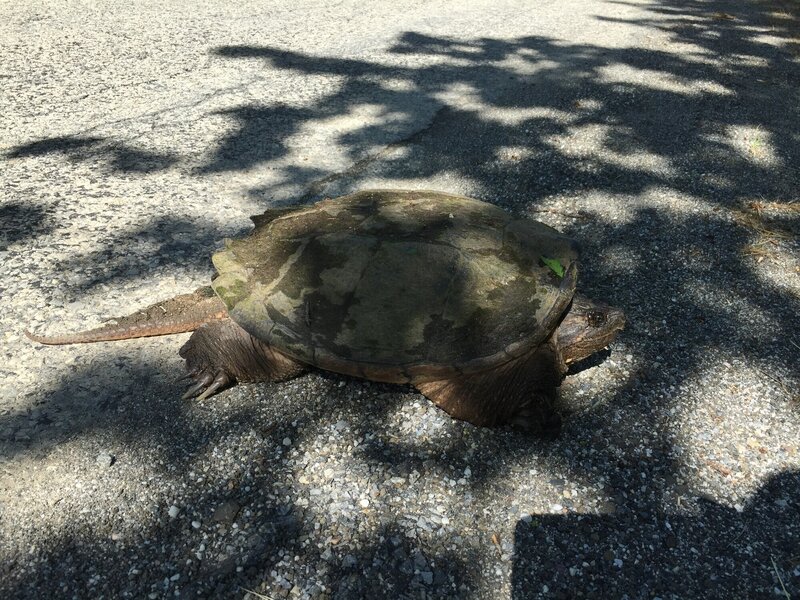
104, 459
226, 512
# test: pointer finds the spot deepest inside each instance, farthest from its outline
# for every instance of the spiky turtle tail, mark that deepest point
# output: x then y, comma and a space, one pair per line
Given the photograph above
180, 314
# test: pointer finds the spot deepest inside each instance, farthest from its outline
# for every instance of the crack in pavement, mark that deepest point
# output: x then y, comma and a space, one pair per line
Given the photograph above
317, 187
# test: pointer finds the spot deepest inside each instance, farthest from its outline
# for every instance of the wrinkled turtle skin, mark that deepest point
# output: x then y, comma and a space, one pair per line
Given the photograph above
453, 295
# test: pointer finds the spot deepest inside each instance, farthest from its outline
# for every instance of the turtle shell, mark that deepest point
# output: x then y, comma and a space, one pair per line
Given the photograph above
397, 285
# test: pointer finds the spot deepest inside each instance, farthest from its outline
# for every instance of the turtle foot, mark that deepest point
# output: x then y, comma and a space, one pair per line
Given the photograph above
520, 393
220, 353
538, 418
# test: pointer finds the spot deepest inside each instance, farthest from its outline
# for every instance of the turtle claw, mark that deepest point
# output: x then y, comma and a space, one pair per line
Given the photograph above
206, 384
204, 381
220, 381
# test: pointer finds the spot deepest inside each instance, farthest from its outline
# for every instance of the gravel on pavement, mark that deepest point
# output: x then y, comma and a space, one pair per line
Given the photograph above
664, 136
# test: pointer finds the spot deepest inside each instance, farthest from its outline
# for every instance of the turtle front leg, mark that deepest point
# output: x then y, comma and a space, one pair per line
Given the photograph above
220, 354
521, 392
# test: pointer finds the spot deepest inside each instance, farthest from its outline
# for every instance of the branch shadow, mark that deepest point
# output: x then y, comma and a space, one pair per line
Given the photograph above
177, 242
119, 156
20, 222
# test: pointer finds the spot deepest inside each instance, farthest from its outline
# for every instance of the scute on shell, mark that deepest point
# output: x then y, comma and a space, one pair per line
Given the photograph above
397, 285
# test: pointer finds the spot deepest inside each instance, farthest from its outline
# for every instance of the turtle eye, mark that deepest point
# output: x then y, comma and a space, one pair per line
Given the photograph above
596, 318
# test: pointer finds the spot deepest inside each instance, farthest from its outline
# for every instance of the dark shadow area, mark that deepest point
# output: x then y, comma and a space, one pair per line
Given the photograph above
20, 222
261, 495
261, 135
119, 156
169, 241
587, 363
708, 551
717, 122
68, 145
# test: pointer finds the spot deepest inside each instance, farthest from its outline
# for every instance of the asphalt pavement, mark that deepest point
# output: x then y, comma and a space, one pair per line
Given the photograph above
664, 136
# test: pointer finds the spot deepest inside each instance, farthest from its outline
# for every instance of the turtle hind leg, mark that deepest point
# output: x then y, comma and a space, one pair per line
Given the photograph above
220, 354
521, 392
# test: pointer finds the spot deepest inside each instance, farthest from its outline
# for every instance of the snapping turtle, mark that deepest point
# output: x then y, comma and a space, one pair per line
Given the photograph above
473, 306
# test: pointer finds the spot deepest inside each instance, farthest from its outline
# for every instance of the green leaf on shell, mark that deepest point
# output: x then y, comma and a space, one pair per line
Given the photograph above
554, 265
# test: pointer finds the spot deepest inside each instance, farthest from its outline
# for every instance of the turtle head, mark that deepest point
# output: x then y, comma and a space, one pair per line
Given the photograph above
587, 327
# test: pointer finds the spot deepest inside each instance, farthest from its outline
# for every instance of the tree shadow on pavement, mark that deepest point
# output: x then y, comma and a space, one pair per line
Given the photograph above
19, 222
651, 159
120, 157
236, 528
709, 551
